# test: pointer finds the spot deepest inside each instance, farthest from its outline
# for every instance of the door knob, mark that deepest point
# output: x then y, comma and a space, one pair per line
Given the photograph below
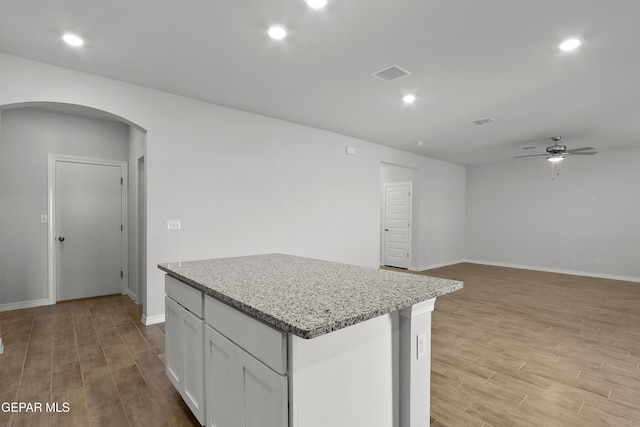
61, 239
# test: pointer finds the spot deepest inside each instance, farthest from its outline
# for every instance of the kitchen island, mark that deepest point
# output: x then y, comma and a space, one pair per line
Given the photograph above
279, 340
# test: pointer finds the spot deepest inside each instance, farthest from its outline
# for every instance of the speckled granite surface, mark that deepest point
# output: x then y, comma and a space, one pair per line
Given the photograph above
304, 296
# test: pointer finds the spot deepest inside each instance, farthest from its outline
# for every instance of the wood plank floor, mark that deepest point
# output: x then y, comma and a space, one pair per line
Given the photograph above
96, 356
513, 348
527, 348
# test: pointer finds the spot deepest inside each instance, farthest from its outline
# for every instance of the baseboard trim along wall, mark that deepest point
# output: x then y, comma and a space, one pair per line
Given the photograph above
437, 265
556, 270
24, 304
133, 296
152, 320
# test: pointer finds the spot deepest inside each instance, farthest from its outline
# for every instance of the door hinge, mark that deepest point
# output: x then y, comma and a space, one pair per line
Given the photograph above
121, 181
121, 274
121, 227
407, 255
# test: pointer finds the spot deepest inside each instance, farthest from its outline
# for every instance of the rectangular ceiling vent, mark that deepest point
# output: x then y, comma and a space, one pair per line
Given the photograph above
483, 121
531, 147
391, 73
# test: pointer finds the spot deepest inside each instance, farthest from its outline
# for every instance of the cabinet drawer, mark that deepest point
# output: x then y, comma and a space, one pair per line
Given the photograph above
264, 342
188, 297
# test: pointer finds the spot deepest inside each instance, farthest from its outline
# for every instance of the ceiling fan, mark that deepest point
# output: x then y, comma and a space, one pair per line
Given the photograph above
556, 152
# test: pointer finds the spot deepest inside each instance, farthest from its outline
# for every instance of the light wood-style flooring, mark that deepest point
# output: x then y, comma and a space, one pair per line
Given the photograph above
527, 348
96, 356
513, 348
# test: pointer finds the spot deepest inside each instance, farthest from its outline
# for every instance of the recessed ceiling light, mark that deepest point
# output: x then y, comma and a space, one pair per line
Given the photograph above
72, 40
409, 99
420, 143
277, 32
570, 44
316, 4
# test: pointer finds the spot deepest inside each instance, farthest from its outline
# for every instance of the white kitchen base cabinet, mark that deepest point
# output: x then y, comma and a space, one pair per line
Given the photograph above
185, 356
286, 341
234, 370
241, 391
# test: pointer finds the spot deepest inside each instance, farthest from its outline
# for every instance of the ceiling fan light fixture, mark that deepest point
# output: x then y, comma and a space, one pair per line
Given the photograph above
555, 158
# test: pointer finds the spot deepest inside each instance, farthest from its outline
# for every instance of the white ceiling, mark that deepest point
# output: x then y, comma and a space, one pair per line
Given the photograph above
469, 59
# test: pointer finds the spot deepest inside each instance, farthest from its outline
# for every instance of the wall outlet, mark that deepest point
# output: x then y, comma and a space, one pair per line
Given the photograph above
44, 219
421, 345
173, 224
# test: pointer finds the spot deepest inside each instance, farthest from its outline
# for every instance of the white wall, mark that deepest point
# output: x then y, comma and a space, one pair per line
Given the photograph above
442, 214
27, 136
241, 183
518, 215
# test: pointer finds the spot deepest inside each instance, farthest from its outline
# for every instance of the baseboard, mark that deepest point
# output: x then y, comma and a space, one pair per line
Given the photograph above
24, 304
152, 320
556, 270
436, 265
133, 296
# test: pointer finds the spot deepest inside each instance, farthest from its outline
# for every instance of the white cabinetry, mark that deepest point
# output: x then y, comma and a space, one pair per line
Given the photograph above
243, 389
234, 370
184, 329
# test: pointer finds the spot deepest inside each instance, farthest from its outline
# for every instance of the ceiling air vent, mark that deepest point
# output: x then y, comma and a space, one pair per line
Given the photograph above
391, 73
483, 121
531, 147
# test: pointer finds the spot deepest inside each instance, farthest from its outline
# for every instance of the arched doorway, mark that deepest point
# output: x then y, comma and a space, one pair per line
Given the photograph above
31, 282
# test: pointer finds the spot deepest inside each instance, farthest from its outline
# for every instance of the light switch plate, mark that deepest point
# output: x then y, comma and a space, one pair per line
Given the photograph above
43, 219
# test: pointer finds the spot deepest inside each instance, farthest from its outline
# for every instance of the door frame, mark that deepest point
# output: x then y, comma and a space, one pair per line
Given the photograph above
141, 229
384, 220
52, 267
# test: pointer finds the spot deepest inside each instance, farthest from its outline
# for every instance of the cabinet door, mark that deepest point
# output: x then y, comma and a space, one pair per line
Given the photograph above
264, 393
193, 384
224, 404
184, 355
241, 391
174, 362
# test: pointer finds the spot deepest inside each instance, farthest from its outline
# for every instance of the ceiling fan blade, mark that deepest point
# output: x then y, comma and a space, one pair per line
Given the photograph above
591, 153
531, 155
575, 150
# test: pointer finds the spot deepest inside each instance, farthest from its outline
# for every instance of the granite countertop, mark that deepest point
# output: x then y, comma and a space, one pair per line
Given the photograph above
305, 296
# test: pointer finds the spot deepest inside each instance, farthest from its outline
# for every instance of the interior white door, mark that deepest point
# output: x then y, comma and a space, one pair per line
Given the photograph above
397, 224
88, 229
